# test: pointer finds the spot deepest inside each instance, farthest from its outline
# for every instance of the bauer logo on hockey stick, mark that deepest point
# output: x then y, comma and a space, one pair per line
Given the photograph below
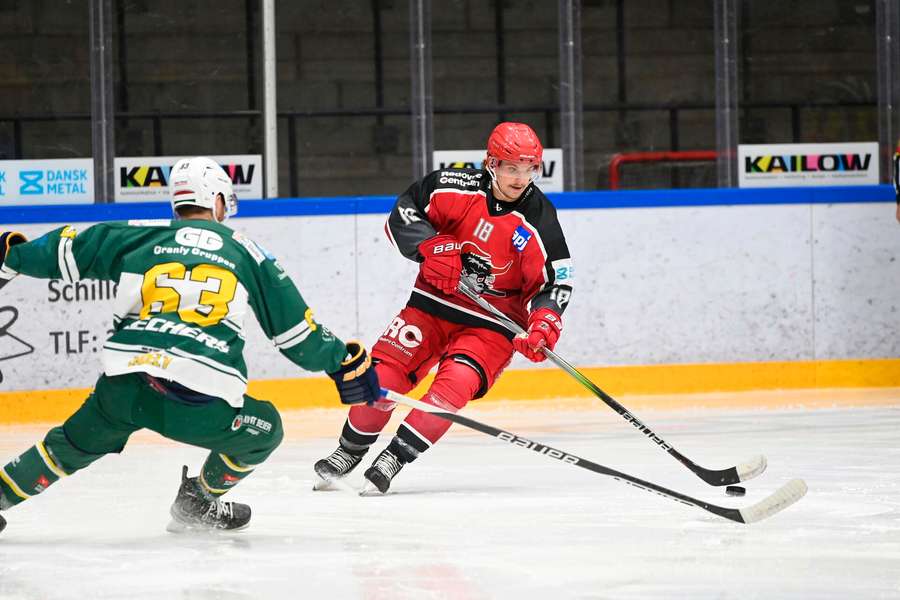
539, 448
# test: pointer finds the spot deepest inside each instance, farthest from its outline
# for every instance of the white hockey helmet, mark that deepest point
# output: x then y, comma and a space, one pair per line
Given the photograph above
197, 182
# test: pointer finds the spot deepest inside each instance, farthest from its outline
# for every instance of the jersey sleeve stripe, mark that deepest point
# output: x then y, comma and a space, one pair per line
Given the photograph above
390, 235
233, 326
294, 341
301, 328
534, 230
68, 268
537, 236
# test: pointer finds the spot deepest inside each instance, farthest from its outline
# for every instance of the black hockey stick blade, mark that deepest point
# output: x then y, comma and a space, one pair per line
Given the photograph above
765, 508
729, 476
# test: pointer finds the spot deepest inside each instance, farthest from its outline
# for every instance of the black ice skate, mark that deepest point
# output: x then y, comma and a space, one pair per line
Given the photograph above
196, 509
379, 475
336, 465
2, 523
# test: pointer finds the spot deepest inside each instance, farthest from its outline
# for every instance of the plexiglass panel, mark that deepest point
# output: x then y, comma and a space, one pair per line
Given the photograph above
343, 97
808, 71
193, 66
649, 86
45, 88
493, 62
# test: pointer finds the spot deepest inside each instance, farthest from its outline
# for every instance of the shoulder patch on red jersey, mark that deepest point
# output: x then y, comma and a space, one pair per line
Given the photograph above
520, 238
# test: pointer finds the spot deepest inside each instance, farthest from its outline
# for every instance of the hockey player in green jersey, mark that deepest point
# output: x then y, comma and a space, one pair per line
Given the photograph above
174, 363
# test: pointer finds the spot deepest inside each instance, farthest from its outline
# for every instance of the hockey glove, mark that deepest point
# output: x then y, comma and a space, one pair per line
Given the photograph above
443, 265
544, 327
8, 239
356, 380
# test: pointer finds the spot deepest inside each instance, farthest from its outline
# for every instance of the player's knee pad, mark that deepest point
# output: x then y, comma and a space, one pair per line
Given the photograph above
68, 453
262, 420
459, 379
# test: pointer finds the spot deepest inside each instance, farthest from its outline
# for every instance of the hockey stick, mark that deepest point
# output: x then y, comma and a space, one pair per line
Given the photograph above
741, 472
765, 508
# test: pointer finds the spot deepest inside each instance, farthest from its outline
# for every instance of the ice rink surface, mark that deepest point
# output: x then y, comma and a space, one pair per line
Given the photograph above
476, 518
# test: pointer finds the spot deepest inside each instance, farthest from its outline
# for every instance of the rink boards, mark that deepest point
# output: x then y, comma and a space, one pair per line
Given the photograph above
675, 292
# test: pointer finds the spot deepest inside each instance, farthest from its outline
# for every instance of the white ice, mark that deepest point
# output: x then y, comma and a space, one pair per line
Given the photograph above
476, 518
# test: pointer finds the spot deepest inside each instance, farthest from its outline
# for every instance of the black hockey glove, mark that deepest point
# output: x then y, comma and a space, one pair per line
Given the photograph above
356, 380
8, 239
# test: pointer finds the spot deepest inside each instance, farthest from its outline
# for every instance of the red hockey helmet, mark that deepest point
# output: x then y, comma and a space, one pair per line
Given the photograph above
516, 142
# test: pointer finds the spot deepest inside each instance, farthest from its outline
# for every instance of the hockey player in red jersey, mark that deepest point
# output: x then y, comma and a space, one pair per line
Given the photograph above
494, 227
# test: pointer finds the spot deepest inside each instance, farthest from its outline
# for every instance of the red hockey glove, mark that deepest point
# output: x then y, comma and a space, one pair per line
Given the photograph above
544, 327
442, 266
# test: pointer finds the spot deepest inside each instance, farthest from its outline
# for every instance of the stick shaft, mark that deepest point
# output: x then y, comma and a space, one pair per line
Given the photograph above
713, 477
731, 514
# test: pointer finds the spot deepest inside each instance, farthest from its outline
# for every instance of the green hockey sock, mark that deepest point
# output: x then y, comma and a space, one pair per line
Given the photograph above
220, 473
28, 475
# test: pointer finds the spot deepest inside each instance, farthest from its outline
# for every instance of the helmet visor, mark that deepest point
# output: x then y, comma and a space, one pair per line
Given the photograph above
513, 170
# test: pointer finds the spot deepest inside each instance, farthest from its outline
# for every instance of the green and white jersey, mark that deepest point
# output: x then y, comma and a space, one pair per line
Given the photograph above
184, 289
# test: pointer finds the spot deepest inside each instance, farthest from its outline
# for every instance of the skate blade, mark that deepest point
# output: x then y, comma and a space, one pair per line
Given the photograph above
338, 484
178, 527
369, 489
324, 485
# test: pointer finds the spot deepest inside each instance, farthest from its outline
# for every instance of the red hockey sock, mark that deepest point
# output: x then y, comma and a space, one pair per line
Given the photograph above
364, 423
454, 385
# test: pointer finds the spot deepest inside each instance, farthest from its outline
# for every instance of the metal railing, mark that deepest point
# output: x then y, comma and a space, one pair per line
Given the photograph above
548, 115
618, 160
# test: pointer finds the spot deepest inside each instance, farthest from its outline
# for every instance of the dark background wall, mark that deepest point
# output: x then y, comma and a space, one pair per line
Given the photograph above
188, 81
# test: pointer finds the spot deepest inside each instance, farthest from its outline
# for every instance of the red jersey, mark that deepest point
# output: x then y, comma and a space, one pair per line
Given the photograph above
514, 252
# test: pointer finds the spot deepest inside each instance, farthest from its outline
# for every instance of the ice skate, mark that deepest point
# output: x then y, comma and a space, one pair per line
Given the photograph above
195, 509
335, 466
2, 523
379, 475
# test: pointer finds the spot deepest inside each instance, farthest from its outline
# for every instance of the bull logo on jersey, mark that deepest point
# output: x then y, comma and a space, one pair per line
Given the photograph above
480, 270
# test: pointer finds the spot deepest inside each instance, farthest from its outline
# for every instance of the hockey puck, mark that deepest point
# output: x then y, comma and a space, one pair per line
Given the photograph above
735, 490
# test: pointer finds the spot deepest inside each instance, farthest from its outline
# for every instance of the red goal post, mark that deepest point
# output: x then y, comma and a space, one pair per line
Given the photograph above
654, 157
